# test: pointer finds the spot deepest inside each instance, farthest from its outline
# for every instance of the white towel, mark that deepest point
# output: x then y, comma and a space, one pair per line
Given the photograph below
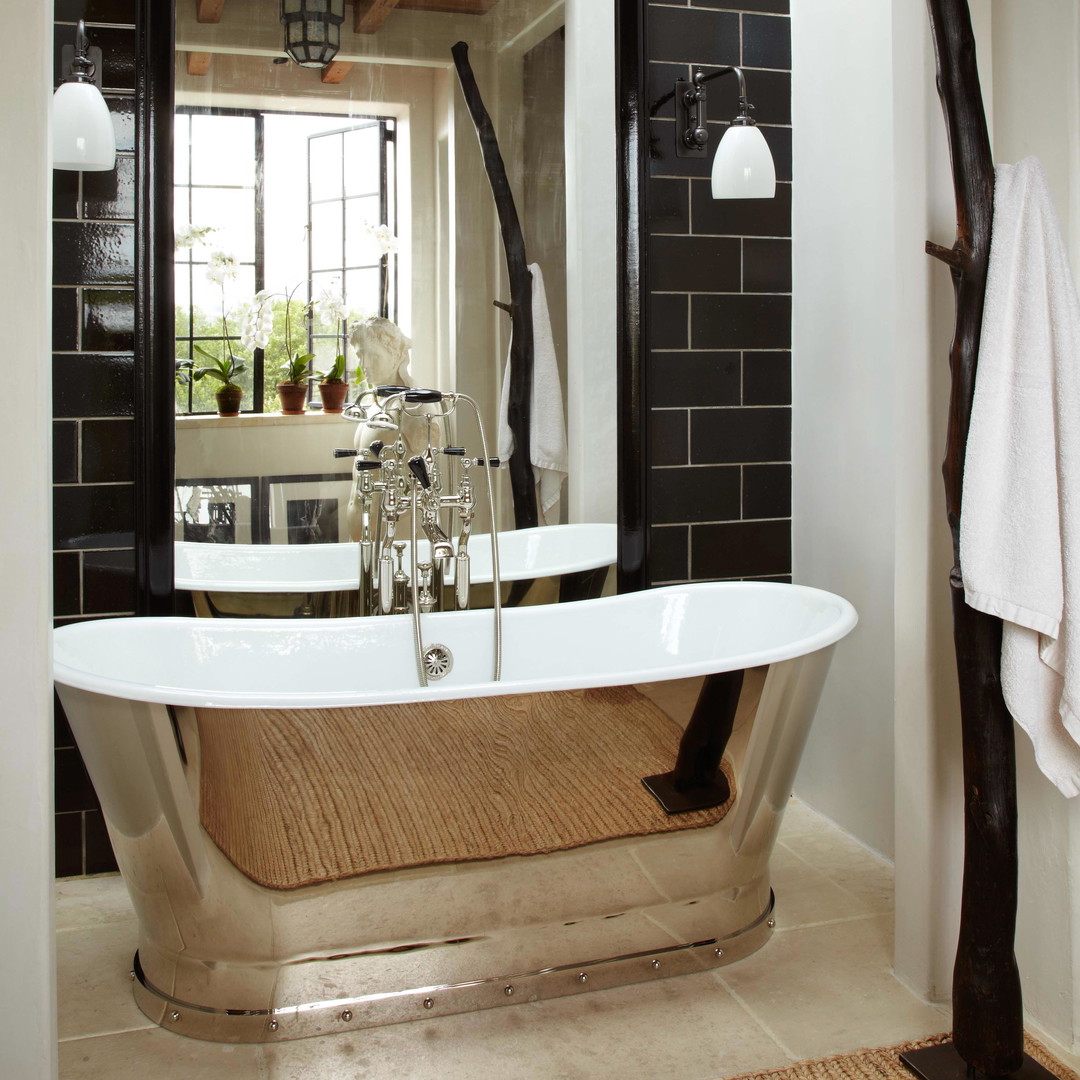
1020, 517
547, 434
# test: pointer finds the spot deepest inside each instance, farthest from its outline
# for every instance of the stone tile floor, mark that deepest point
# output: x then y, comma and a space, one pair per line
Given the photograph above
822, 985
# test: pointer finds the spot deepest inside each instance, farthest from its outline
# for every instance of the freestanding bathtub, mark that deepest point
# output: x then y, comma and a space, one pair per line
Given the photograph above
542, 565
289, 726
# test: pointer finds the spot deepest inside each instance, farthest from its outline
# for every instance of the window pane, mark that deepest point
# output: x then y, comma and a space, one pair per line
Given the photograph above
326, 238
232, 213
183, 302
362, 161
325, 166
207, 301
361, 215
181, 134
223, 150
362, 292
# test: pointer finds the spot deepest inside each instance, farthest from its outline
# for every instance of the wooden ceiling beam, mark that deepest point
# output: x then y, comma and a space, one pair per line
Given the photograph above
209, 11
198, 63
371, 14
335, 71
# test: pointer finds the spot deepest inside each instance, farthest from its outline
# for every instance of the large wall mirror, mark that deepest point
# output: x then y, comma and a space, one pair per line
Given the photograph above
345, 210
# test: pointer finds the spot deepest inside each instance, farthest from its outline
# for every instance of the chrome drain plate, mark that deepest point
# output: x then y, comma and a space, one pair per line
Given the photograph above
438, 661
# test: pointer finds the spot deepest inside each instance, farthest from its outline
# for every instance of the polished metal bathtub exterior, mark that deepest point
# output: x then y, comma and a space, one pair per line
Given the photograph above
223, 958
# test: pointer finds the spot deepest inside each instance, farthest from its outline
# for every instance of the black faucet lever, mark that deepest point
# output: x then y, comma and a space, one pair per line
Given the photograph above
418, 467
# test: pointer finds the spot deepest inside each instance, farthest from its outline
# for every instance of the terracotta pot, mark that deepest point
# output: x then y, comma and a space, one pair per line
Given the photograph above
228, 401
333, 395
293, 397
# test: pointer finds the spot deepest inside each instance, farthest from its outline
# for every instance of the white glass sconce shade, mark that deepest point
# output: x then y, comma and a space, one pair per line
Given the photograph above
83, 136
743, 167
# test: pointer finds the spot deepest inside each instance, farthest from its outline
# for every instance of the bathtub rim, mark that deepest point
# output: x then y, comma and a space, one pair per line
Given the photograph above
599, 541
844, 621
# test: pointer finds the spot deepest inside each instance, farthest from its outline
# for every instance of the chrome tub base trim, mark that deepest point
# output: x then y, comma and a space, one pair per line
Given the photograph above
375, 1010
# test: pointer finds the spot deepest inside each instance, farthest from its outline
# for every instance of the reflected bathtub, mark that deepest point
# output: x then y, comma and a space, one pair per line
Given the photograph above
548, 564
224, 957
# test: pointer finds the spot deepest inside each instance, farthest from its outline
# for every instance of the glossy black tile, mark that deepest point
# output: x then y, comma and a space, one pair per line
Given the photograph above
117, 44
740, 549
110, 195
661, 86
766, 378
108, 582
69, 844
65, 452
770, 94
668, 327
67, 582
749, 321
93, 384
766, 491
65, 319
108, 320
739, 217
108, 451
694, 264
685, 35
99, 853
698, 378
779, 6
93, 11
73, 788
766, 265
65, 193
61, 731
668, 440
93, 516
779, 140
703, 493
731, 435
88, 253
122, 110
766, 41
669, 553
668, 205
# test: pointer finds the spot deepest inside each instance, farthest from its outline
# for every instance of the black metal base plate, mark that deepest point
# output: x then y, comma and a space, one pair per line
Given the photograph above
662, 788
944, 1063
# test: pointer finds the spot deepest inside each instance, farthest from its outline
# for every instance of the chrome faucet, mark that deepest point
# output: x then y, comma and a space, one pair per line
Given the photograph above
428, 486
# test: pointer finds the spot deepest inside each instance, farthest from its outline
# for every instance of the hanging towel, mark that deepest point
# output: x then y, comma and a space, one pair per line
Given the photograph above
547, 434
1020, 515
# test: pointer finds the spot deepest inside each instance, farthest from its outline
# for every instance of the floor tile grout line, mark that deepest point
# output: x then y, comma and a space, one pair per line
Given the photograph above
149, 1026
832, 922
843, 888
718, 975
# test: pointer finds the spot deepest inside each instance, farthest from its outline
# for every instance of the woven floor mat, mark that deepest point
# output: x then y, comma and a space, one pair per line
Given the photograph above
883, 1063
304, 796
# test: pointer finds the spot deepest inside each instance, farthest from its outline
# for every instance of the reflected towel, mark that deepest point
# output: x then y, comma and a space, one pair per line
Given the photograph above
547, 427
1020, 518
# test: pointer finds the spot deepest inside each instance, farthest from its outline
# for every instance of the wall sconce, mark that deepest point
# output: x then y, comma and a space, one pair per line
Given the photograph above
312, 30
82, 129
743, 167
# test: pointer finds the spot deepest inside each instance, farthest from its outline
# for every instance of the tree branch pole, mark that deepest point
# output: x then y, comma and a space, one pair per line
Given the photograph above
987, 1009
522, 484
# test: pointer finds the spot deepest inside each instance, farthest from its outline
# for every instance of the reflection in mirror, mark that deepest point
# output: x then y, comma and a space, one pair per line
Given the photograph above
345, 212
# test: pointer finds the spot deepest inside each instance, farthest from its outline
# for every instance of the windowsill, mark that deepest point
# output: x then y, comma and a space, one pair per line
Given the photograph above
270, 419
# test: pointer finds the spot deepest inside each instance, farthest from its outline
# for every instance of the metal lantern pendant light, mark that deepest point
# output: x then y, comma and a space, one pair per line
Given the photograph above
312, 30
82, 129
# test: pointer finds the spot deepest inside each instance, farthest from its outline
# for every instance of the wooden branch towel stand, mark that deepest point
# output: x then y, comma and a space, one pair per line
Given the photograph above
988, 1036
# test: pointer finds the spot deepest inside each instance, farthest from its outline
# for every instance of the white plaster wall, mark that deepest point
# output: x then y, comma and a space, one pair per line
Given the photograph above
844, 324
27, 989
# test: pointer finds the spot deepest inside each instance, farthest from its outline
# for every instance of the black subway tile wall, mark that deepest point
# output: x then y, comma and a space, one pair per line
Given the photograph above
93, 400
719, 309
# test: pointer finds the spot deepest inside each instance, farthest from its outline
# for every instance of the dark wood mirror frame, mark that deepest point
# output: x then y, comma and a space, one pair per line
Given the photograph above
154, 409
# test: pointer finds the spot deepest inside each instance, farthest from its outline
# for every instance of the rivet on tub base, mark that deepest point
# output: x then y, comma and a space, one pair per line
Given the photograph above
375, 1010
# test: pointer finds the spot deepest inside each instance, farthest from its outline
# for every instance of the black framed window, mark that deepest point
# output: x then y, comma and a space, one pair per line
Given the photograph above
287, 203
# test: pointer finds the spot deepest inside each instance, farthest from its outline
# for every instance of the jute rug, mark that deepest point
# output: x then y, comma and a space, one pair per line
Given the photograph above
296, 797
883, 1063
